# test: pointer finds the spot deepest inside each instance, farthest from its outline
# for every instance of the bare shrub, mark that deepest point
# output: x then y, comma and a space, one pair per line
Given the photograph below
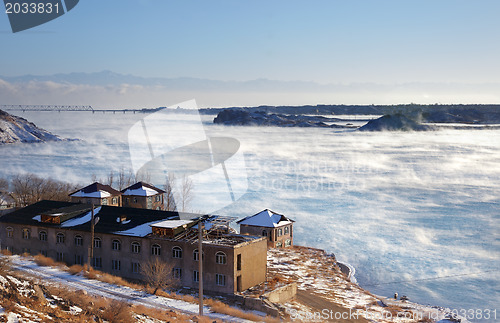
4, 264
4, 184
29, 188
158, 274
117, 312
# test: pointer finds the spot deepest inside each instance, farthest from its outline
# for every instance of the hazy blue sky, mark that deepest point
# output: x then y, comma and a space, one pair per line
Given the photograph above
389, 42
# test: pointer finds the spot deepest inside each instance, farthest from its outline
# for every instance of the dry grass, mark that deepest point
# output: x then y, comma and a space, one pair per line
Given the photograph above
6, 252
75, 269
110, 279
167, 316
219, 307
44, 261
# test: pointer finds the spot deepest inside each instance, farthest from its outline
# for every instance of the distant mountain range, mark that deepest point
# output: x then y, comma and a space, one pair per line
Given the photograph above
15, 129
110, 89
107, 77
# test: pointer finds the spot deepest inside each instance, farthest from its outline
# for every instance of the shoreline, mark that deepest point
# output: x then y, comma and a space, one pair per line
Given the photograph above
435, 312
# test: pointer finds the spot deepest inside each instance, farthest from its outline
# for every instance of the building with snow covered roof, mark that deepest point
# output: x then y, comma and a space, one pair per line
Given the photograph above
6, 200
7, 203
97, 194
143, 195
124, 238
277, 228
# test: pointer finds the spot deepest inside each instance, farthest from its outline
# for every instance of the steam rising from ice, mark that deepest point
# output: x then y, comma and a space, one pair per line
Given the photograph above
397, 206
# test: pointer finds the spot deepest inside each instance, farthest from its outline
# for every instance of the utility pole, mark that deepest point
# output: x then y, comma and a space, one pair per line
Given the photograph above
91, 247
200, 265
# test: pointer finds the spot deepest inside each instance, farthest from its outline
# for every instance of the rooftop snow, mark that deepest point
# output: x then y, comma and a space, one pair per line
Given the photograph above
170, 224
266, 218
143, 191
81, 220
98, 194
141, 230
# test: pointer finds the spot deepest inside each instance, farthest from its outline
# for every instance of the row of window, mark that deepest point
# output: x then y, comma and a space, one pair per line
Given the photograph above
220, 279
288, 243
135, 247
279, 232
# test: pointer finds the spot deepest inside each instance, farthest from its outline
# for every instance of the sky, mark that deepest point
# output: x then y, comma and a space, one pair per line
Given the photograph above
387, 42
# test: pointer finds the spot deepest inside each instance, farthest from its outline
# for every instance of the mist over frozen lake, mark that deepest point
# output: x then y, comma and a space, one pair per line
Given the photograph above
416, 213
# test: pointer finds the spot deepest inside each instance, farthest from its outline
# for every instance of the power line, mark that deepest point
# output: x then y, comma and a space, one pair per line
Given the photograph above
432, 278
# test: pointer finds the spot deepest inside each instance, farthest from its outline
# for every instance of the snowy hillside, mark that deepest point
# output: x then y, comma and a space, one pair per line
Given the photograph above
16, 129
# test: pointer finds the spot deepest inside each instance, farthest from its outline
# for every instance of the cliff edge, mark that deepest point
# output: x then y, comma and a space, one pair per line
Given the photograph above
15, 129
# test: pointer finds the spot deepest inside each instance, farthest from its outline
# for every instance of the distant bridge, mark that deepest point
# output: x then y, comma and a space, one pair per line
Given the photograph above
38, 107
59, 108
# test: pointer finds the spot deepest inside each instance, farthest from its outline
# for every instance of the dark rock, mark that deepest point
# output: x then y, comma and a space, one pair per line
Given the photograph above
241, 117
397, 122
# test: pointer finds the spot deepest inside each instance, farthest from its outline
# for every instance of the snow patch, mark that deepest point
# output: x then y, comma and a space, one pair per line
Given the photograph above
98, 194
143, 191
81, 220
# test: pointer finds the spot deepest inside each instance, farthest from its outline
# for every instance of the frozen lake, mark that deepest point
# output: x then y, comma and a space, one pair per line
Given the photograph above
416, 213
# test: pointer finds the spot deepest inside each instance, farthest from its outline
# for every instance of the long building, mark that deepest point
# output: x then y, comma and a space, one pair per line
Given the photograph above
125, 238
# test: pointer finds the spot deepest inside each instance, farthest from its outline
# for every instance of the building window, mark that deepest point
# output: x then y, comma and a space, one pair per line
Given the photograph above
78, 241
177, 273
116, 245
278, 244
26, 234
97, 262
60, 238
136, 267
158, 198
264, 233
43, 253
176, 252
280, 232
42, 235
78, 260
9, 232
287, 230
114, 200
196, 276
238, 262
220, 258
220, 280
115, 264
135, 247
288, 243
196, 255
10, 249
135, 199
97, 242
60, 256
155, 250
104, 202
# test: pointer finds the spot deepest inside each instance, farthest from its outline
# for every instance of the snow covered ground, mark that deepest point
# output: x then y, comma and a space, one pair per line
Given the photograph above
315, 273
50, 275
